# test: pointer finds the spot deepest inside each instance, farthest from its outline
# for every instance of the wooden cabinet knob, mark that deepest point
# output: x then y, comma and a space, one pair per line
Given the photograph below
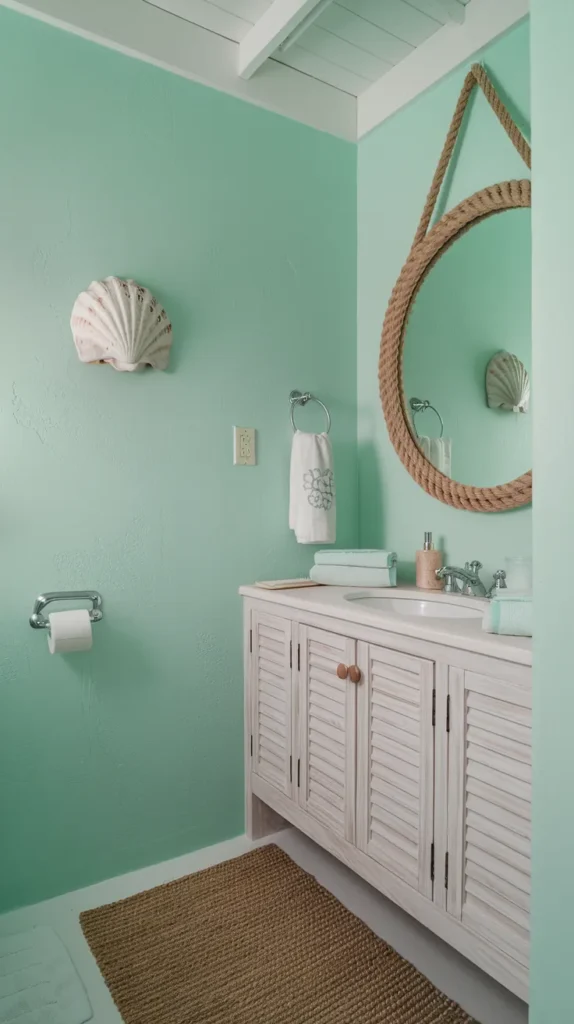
342, 671
355, 674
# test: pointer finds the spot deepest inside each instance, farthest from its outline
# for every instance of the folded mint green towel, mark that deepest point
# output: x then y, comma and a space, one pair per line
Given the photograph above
509, 614
366, 557
354, 576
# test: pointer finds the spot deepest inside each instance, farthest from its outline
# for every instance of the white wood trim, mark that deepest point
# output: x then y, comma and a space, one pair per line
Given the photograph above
363, 748
260, 819
456, 810
436, 57
441, 785
498, 964
250, 824
263, 820
296, 640
306, 23
427, 783
447, 11
148, 33
120, 887
276, 675
206, 15
272, 29
351, 744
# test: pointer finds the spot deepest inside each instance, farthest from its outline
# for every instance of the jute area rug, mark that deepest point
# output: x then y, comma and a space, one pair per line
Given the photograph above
254, 941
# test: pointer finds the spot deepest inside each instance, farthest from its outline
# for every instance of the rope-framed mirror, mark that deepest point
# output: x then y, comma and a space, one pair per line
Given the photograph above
428, 248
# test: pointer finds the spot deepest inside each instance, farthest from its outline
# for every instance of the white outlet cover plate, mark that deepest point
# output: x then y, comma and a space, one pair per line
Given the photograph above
244, 446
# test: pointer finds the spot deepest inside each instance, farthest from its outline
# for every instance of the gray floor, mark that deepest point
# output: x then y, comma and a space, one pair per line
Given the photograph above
483, 998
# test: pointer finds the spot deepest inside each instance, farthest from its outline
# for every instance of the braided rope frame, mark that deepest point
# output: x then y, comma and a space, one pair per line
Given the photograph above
426, 250
507, 195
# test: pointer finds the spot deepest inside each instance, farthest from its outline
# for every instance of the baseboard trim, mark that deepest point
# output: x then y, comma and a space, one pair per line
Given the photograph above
122, 886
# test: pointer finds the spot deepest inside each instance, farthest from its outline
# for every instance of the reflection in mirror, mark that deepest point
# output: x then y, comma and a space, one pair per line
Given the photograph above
473, 305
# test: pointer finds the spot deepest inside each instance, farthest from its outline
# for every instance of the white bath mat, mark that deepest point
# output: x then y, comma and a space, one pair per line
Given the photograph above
38, 981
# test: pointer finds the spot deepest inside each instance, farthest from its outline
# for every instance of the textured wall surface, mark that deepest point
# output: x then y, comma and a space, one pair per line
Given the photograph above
244, 225
551, 989
396, 165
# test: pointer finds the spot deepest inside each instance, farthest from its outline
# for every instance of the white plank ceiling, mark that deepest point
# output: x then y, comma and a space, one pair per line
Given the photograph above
341, 66
349, 44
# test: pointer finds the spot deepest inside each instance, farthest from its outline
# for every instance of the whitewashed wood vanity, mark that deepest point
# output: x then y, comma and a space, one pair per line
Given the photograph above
417, 775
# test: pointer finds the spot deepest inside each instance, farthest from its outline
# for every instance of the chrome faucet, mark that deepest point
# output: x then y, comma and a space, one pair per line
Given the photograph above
467, 581
462, 581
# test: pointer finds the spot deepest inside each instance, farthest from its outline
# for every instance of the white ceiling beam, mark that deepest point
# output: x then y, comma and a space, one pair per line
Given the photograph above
276, 25
147, 33
441, 53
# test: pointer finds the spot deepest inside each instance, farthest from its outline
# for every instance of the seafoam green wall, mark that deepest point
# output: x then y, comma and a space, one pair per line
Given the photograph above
551, 988
396, 165
243, 224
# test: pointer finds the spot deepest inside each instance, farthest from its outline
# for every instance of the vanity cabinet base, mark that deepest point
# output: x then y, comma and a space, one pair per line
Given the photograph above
406, 759
495, 963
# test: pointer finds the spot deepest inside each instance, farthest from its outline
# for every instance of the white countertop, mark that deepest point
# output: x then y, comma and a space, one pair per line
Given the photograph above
461, 633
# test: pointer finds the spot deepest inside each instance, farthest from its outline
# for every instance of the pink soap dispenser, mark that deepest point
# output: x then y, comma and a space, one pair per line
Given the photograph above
427, 562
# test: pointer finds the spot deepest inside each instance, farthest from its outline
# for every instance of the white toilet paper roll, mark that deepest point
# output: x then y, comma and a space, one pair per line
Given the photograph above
69, 631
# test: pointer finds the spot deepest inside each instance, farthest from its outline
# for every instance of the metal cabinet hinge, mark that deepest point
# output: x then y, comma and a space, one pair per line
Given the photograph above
298, 657
432, 862
434, 707
251, 641
448, 713
446, 870
252, 745
298, 772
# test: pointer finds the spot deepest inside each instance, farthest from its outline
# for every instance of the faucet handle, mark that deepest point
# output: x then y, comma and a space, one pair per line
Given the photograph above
499, 582
473, 567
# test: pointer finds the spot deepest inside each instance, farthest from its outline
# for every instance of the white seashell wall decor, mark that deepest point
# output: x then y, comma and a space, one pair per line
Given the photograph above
507, 383
120, 323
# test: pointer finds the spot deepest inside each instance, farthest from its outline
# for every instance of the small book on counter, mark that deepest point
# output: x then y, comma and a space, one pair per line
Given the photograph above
304, 581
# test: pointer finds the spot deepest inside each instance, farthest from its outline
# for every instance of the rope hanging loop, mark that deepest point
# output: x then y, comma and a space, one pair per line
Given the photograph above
428, 246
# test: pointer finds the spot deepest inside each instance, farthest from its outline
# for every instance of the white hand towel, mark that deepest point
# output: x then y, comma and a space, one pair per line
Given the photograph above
438, 452
312, 513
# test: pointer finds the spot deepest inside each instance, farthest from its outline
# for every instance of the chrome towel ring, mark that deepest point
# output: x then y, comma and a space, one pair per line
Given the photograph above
296, 398
421, 405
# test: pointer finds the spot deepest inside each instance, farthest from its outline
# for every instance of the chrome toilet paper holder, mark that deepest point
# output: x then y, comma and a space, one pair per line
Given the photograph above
38, 621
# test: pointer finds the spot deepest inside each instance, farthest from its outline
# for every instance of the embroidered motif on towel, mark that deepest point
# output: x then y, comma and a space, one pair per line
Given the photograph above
319, 483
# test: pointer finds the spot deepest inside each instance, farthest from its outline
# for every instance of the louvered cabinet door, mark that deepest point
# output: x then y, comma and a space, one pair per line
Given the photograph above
327, 730
395, 763
271, 696
489, 803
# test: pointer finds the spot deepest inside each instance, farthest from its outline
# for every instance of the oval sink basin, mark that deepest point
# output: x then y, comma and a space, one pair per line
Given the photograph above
416, 607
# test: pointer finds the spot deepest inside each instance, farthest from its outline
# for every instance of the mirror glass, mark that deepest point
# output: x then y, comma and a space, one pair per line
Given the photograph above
474, 304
